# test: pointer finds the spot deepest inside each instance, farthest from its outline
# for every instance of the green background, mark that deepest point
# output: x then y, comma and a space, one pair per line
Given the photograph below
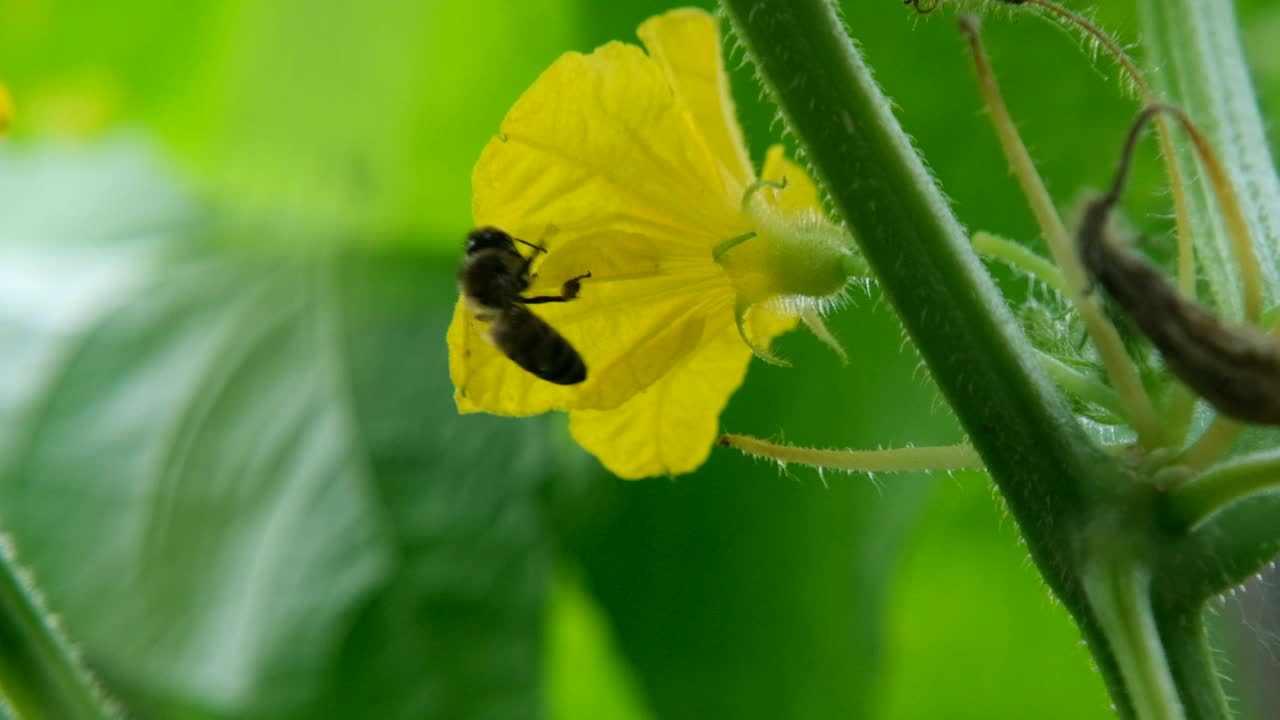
230, 456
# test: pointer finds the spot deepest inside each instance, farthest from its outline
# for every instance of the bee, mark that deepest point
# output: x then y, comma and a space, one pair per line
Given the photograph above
492, 279
1235, 367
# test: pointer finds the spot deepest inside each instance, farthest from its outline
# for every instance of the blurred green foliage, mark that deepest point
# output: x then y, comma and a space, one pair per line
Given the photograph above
228, 237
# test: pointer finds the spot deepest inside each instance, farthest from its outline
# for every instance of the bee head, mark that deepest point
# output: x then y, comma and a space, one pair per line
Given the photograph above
489, 237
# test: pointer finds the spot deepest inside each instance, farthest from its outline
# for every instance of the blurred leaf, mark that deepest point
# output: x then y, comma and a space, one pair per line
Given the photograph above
974, 630
253, 460
741, 592
457, 632
80, 68
365, 115
587, 679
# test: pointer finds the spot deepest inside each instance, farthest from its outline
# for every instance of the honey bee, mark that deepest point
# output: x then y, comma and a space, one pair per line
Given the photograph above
492, 278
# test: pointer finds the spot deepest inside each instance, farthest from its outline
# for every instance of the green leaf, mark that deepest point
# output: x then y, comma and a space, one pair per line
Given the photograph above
963, 589
457, 631
230, 467
336, 114
587, 679
356, 114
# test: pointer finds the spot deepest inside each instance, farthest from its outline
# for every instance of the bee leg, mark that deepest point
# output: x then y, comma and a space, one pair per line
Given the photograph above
528, 261
572, 286
568, 292
541, 299
536, 248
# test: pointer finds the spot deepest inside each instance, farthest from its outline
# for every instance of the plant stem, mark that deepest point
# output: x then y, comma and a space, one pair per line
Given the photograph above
1120, 591
1211, 445
51, 681
1197, 500
1191, 663
1181, 213
1081, 385
1225, 549
908, 459
1198, 63
1020, 257
1036, 452
1237, 228
1120, 369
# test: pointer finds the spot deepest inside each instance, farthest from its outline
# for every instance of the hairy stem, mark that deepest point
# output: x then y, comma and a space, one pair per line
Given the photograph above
1036, 452
1215, 442
1120, 592
1191, 662
1181, 213
908, 459
1197, 62
1120, 369
1021, 257
1195, 501
43, 676
1080, 385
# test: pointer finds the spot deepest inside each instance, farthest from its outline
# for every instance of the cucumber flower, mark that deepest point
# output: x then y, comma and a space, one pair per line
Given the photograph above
632, 167
6, 109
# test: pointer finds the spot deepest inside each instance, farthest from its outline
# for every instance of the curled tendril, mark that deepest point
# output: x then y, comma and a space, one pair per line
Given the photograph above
923, 7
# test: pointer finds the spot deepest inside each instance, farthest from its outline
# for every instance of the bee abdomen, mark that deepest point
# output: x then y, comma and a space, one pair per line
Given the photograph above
537, 347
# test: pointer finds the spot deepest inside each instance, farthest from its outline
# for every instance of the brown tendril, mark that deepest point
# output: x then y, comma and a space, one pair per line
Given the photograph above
923, 7
1236, 368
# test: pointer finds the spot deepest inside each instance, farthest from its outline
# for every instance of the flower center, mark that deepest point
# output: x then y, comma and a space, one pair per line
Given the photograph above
793, 254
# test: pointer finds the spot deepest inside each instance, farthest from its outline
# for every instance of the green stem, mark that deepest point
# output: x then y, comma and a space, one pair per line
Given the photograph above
1120, 592
1080, 385
1036, 452
1196, 501
44, 678
1022, 258
1124, 375
1096, 37
1198, 64
907, 459
1198, 59
1191, 662
1212, 444
1224, 550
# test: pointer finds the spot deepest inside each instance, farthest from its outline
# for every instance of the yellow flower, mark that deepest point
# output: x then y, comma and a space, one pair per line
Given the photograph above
632, 167
6, 109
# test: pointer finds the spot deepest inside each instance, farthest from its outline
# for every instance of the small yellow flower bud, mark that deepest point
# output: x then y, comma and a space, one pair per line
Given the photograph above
6, 109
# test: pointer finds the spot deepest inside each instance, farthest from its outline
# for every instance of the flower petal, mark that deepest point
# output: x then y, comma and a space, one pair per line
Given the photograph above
598, 165
767, 320
601, 144
686, 44
671, 427
6, 109
629, 332
800, 194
